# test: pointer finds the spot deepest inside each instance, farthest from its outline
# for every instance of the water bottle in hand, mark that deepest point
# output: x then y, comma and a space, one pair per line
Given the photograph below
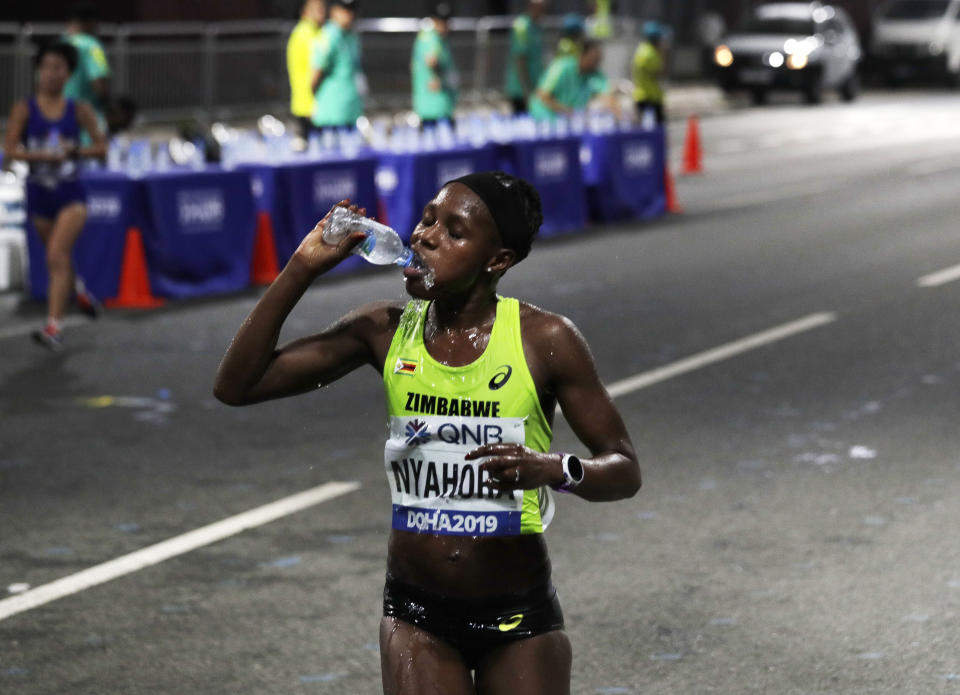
382, 245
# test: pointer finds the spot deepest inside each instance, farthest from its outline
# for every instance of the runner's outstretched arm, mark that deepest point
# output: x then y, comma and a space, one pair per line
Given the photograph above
255, 370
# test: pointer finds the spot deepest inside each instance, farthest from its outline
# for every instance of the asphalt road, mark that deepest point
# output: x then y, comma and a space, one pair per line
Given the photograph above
797, 529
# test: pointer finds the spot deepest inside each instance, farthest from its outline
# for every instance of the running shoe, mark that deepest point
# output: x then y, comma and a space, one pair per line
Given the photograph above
49, 337
89, 304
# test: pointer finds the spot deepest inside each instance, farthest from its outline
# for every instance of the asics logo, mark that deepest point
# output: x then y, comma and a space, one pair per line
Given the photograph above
501, 377
511, 623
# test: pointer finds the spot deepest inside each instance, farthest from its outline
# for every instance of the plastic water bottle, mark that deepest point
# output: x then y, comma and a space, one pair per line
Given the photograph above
163, 161
649, 121
382, 245
314, 146
115, 155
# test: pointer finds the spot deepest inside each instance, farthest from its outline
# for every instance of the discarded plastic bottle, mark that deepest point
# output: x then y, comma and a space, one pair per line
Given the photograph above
382, 245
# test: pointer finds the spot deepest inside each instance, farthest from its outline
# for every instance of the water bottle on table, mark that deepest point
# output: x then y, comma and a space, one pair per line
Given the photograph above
382, 245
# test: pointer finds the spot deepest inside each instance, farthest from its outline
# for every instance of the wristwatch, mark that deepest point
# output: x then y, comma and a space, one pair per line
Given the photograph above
572, 472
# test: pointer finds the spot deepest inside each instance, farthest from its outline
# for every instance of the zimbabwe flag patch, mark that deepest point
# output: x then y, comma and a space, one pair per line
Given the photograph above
405, 366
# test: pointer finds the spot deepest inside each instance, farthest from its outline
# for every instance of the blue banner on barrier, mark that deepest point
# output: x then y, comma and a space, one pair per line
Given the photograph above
406, 181
553, 167
298, 194
624, 174
306, 192
199, 232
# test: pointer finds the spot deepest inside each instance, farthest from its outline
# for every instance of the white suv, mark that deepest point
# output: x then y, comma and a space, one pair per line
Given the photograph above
917, 38
800, 46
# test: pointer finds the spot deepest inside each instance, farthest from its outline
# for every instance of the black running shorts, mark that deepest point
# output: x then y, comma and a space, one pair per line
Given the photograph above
474, 626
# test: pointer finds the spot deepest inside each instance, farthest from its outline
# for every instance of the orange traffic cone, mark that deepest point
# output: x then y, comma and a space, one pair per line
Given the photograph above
692, 151
134, 291
264, 268
671, 193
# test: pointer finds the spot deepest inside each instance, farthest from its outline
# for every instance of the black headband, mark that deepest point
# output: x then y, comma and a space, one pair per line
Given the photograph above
504, 205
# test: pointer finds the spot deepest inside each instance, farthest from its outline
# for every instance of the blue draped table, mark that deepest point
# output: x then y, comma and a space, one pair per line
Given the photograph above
624, 174
552, 165
198, 232
198, 226
296, 195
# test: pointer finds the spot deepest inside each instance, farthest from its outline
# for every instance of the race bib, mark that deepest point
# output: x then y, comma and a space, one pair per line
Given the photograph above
435, 490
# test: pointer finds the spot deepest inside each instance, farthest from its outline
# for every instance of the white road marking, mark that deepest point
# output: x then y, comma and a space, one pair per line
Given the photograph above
717, 354
26, 329
172, 547
940, 277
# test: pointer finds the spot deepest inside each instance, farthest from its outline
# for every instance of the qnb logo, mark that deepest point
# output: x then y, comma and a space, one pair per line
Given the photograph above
453, 169
550, 163
202, 210
103, 207
637, 156
387, 180
333, 186
469, 434
257, 187
502, 376
417, 432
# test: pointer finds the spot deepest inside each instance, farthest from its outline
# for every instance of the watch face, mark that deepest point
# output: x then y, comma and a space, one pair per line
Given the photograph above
575, 468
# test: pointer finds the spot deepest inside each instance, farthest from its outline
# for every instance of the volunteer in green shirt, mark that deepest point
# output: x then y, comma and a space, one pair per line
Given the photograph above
90, 81
433, 73
337, 79
525, 64
648, 66
572, 32
569, 84
299, 46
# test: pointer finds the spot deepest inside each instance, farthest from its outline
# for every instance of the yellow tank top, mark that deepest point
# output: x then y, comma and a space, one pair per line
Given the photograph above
438, 413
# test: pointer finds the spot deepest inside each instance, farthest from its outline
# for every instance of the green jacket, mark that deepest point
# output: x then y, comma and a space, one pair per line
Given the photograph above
430, 103
567, 85
647, 66
338, 100
91, 66
526, 42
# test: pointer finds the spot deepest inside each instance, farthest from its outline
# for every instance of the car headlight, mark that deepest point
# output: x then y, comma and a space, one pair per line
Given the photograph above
723, 56
775, 59
797, 61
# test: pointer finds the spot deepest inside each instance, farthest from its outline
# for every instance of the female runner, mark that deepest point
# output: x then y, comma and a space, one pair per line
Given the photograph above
472, 381
44, 131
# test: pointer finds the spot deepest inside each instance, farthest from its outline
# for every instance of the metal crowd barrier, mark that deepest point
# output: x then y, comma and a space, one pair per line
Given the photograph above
224, 70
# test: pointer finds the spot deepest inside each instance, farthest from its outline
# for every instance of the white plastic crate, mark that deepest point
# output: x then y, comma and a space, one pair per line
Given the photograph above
13, 258
13, 245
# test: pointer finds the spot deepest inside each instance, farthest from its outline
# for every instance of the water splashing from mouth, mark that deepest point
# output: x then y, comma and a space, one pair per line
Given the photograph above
429, 278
